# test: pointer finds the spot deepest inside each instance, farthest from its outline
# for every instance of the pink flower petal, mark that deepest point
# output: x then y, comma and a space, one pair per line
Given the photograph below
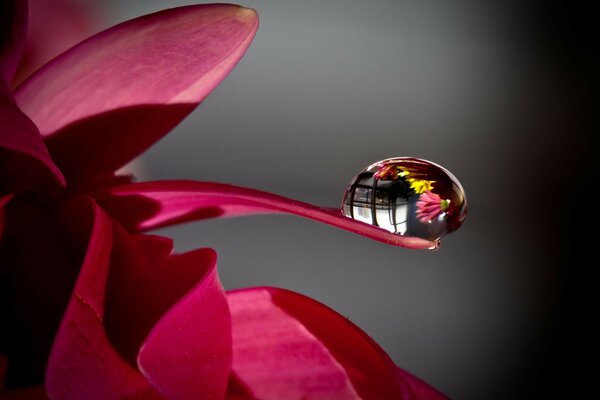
129, 292
150, 205
24, 159
54, 26
106, 100
276, 357
185, 342
188, 352
13, 27
83, 364
287, 346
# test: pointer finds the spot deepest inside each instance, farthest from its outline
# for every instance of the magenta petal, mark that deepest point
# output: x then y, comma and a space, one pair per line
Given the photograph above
287, 346
188, 353
173, 308
83, 364
149, 205
107, 99
13, 28
24, 159
53, 27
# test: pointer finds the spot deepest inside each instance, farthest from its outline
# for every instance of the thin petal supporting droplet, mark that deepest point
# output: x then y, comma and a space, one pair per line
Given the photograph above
149, 205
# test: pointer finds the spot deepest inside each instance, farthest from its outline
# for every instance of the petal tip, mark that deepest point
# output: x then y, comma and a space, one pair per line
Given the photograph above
247, 14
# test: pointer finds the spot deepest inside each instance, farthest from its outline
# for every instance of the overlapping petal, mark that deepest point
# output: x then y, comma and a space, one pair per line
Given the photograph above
83, 364
188, 352
142, 323
149, 205
288, 346
127, 297
24, 160
107, 99
53, 27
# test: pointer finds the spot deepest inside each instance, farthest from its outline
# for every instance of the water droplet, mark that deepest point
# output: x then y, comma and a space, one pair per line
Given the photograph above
407, 196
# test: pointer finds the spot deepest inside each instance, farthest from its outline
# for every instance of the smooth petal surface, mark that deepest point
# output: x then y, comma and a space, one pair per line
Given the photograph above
132, 293
173, 308
107, 99
188, 353
53, 27
288, 346
13, 28
145, 206
83, 364
24, 159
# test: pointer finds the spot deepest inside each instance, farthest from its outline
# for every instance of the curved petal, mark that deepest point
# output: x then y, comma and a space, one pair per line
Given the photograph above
129, 289
149, 205
13, 28
188, 352
53, 27
83, 364
24, 159
106, 100
286, 345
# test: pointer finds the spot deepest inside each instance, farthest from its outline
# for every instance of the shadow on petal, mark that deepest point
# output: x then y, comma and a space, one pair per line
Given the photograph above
104, 142
289, 346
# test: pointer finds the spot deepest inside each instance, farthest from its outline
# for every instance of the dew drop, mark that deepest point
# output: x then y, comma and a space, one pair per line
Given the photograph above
407, 196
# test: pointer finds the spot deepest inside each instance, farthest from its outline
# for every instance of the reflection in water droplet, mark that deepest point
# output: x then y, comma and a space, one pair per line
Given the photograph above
407, 196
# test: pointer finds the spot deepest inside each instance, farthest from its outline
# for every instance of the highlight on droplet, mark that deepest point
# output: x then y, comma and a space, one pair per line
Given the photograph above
408, 196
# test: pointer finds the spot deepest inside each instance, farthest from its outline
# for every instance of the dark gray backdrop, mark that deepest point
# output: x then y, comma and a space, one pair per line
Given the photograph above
483, 88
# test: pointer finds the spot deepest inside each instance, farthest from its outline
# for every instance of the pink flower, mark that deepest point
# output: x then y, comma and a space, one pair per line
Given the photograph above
429, 206
92, 307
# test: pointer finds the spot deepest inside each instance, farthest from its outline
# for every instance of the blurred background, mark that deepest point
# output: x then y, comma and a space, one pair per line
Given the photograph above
500, 93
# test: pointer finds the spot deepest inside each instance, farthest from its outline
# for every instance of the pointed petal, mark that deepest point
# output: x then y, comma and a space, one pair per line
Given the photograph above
83, 364
150, 205
24, 159
286, 345
106, 100
188, 353
13, 28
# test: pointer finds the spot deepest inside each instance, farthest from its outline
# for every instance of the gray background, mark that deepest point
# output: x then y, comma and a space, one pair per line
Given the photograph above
487, 89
